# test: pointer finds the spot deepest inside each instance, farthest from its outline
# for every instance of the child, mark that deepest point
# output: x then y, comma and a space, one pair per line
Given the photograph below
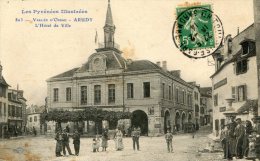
168, 138
96, 144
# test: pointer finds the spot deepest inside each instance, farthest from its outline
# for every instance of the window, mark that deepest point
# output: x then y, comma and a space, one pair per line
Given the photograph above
216, 124
245, 48
13, 111
68, 94
4, 109
9, 110
196, 96
170, 92
183, 96
35, 118
216, 100
55, 94
30, 119
2, 92
233, 89
83, 95
177, 95
111, 93
241, 66
130, 90
241, 93
97, 94
146, 88
163, 90
0, 108
189, 99
202, 110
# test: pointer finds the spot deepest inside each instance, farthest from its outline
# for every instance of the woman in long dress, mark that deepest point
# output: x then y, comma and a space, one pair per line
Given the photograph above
119, 140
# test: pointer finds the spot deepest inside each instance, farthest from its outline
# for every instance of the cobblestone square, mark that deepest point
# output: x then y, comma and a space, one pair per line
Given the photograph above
151, 149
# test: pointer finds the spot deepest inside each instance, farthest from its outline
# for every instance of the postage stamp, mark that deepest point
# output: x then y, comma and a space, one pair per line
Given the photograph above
197, 31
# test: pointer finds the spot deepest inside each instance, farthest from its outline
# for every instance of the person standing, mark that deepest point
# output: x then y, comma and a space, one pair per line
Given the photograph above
104, 143
239, 133
232, 138
119, 140
229, 141
58, 138
135, 137
223, 140
248, 132
168, 138
76, 142
256, 133
34, 131
65, 142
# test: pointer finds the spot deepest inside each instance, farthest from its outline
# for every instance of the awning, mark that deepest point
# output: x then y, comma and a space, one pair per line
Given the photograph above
250, 105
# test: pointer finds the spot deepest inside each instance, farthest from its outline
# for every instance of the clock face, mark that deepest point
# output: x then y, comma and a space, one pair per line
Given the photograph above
97, 63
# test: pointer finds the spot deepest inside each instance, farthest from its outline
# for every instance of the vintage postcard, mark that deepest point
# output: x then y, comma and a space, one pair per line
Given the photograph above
128, 80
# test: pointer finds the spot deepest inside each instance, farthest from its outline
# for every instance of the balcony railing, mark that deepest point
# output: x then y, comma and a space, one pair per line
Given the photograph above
108, 45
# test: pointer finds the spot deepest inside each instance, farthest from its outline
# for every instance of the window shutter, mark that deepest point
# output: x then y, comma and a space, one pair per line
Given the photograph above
236, 92
233, 91
244, 92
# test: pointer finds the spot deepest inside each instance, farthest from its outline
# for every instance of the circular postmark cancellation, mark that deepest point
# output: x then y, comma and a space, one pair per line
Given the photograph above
197, 31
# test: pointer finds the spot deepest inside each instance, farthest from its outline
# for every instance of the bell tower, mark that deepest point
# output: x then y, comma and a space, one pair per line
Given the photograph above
109, 29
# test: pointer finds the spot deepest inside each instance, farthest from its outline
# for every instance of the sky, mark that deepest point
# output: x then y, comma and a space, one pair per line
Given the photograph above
30, 55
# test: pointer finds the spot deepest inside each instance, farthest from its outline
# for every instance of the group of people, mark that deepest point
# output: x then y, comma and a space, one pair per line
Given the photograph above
240, 140
62, 141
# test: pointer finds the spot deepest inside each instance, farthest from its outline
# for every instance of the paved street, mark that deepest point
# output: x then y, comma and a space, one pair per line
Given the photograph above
152, 149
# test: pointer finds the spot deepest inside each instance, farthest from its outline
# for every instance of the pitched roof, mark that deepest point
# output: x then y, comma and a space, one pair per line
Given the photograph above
68, 73
3, 82
141, 65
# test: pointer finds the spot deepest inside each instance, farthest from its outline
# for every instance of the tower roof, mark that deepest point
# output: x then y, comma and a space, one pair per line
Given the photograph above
109, 18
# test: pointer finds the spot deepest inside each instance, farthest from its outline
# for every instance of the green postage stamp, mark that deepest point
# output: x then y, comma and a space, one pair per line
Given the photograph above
197, 31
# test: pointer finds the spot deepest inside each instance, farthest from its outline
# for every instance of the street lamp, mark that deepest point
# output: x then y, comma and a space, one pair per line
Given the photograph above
230, 113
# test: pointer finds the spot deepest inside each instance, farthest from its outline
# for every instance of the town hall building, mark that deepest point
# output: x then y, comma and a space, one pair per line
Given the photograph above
157, 98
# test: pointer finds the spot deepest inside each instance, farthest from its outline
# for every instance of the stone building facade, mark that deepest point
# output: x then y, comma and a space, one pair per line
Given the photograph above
235, 77
12, 109
158, 98
205, 105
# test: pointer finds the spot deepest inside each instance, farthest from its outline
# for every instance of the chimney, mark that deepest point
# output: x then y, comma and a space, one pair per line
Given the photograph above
164, 65
158, 63
129, 61
176, 73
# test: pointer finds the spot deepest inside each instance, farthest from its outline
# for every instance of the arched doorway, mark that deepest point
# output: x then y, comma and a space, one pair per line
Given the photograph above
140, 119
177, 121
183, 117
189, 118
167, 121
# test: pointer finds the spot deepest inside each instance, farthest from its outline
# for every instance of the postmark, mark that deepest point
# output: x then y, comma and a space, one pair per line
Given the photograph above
197, 31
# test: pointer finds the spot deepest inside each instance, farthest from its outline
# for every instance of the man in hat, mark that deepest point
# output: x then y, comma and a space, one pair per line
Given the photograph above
239, 134
256, 132
256, 125
65, 142
76, 142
